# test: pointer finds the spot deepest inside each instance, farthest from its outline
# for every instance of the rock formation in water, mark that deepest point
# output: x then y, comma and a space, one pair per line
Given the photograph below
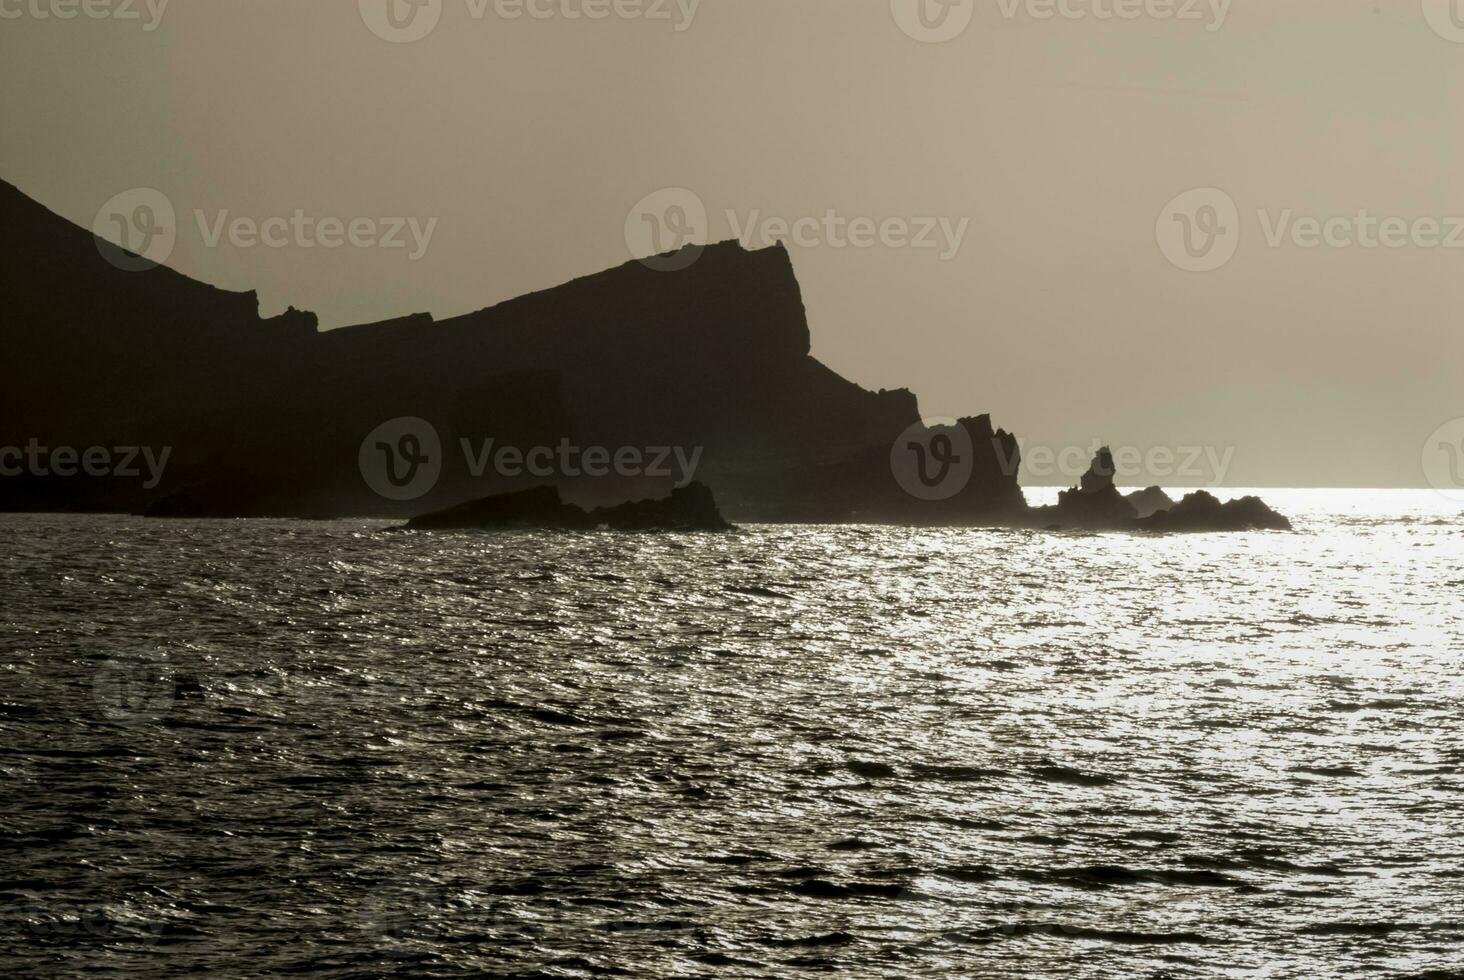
1150, 501
689, 508
1095, 504
708, 368
1202, 511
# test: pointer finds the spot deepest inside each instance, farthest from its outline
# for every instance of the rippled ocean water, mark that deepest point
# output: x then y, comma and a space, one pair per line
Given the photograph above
318, 749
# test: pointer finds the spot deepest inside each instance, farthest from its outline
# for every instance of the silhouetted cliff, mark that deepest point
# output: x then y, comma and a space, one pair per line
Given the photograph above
271, 417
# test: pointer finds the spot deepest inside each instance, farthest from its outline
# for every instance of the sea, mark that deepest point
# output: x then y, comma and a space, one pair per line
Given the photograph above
322, 749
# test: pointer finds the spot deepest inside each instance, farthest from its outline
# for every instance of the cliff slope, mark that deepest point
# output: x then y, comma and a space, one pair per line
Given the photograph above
270, 417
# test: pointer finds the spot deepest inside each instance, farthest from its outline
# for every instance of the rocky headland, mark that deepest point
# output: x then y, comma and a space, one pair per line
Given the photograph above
271, 417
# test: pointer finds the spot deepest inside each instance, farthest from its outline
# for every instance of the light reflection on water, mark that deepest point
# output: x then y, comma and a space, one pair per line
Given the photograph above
269, 747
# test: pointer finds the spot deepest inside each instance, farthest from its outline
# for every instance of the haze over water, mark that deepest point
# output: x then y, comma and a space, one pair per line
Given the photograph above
888, 751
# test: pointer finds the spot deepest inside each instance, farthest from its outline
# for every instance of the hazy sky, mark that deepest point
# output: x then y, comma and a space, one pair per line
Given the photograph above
1055, 144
